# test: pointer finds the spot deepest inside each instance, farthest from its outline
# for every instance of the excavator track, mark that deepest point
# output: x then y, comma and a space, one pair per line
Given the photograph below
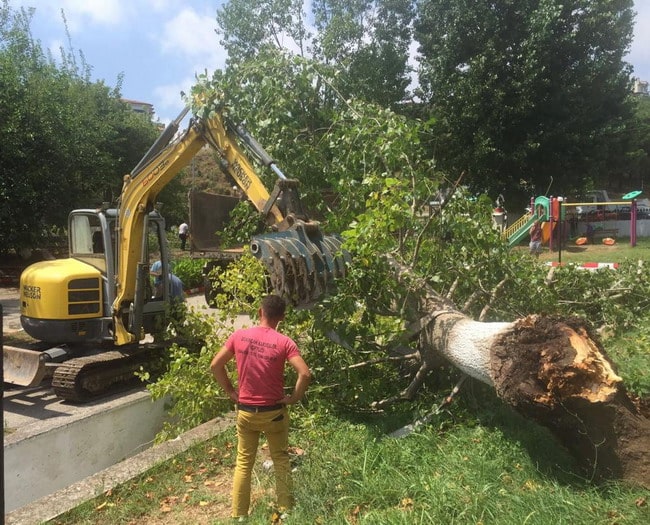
85, 378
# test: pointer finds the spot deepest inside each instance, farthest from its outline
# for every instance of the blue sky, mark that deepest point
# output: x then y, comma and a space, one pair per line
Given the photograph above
159, 45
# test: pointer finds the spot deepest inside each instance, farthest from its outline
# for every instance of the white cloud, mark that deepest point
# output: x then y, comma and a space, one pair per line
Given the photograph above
191, 36
187, 37
169, 98
102, 12
161, 5
189, 33
55, 47
81, 13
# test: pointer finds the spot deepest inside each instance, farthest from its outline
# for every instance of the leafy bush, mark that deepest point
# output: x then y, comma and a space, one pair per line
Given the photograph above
186, 382
190, 271
630, 352
455, 250
194, 396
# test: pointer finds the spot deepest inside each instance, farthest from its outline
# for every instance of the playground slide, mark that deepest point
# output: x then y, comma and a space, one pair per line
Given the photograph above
522, 232
546, 232
523, 224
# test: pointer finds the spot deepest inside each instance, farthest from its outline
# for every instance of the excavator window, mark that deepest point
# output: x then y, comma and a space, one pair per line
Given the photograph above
155, 238
85, 235
87, 239
98, 242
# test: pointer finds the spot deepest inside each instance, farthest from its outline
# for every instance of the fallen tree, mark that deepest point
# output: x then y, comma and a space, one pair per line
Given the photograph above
550, 369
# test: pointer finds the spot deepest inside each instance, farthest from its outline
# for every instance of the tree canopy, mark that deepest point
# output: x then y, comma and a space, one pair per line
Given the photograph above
514, 94
366, 41
67, 141
378, 163
526, 96
528, 90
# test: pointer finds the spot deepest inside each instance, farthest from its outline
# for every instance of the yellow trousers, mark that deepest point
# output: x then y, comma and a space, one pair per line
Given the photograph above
275, 426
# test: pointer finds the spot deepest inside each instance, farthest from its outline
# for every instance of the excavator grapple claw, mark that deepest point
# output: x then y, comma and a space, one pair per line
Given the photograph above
301, 262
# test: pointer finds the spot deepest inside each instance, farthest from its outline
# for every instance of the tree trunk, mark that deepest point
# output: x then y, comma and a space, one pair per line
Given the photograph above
553, 371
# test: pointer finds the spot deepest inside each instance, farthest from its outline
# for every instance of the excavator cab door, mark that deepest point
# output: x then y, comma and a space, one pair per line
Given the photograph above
148, 312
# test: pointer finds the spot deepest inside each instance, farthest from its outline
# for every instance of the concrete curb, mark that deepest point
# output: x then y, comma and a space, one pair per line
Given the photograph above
51, 506
62, 443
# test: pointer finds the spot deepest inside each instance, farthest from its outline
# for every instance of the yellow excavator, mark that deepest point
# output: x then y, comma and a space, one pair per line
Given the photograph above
96, 306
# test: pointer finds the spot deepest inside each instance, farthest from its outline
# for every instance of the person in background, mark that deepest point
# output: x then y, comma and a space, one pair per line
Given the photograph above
183, 234
176, 285
260, 353
535, 233
589, 233
98, 242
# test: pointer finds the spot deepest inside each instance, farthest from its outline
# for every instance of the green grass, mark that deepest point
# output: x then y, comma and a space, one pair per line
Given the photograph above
479, 463
598, 252
631, 353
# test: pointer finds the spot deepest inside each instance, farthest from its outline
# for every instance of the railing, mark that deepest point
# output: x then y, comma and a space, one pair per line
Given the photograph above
514, 227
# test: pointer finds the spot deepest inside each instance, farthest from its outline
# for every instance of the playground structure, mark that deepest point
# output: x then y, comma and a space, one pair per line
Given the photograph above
562, 221
540, 210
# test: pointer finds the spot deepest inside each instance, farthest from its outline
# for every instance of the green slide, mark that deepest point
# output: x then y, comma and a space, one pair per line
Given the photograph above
542, 206
522, 232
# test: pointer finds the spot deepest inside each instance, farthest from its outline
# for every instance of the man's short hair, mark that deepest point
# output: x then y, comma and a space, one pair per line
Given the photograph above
273, 306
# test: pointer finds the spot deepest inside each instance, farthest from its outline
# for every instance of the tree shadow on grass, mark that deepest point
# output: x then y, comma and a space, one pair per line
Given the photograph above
477, 405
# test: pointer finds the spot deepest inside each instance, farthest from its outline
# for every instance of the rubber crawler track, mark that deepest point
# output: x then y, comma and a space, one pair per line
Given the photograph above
85, 378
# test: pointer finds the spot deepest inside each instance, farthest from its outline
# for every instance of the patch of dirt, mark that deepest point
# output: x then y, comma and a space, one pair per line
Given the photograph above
183, 510
214, 505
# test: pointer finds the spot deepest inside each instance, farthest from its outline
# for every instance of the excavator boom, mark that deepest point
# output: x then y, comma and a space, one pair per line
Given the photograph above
141, 188
301, 261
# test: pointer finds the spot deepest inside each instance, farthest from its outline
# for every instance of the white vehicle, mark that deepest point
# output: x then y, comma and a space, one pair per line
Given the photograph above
596, 196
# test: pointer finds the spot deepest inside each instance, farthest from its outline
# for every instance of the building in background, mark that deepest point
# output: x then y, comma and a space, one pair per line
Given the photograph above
144, 108
640, 87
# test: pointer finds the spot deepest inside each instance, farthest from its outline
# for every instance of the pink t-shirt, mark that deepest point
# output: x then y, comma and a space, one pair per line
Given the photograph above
261, 354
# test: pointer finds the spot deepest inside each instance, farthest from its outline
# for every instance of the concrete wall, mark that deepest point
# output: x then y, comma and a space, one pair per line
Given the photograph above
53, 505
58, 454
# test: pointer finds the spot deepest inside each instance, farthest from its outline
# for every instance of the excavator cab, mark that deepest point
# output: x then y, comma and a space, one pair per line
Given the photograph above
65, 301
84, 284
68, 302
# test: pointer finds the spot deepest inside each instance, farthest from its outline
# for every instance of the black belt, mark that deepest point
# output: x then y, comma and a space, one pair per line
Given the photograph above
259, 408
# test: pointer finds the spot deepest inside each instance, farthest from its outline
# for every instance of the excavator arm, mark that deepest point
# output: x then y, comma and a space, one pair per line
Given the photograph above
102, 290
301, 257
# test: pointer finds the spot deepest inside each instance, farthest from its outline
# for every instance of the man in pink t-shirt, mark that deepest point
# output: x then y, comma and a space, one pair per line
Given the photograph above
261, 353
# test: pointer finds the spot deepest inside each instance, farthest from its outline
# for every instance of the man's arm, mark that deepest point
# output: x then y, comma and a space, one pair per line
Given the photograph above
218, 368
302, 382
